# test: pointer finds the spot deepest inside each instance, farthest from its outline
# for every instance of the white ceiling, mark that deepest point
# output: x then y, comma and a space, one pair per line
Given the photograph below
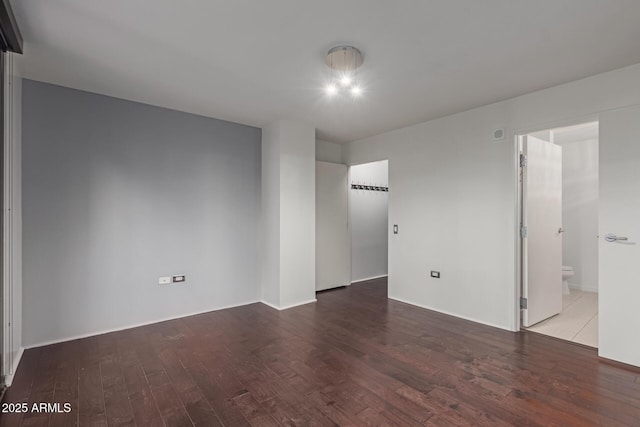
257, 61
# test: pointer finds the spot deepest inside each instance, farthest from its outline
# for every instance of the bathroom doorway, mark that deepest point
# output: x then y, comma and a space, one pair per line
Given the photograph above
558, 193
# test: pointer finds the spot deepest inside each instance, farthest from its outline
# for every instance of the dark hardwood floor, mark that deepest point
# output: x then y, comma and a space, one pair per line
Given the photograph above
352, 358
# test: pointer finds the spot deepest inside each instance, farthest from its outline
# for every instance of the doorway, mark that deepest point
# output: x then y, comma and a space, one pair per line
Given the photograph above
352, 211
559, 194
369, 219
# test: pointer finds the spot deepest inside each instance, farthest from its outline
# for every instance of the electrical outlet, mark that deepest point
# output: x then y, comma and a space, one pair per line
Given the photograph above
435, 274
179, 278
164, 280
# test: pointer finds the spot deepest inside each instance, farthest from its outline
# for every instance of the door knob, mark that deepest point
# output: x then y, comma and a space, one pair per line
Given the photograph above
560, 230
610, 237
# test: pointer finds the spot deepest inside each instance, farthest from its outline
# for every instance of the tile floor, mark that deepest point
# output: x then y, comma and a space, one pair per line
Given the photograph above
578, 321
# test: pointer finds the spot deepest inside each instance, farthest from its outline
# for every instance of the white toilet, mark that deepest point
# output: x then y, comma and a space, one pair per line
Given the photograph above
567, 273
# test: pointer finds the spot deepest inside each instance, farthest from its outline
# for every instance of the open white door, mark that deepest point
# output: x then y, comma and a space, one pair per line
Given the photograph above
332, 235
619, 240
542, 220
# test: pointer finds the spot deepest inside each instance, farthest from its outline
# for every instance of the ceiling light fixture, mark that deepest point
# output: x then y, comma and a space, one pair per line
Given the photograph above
344, 62
331, 89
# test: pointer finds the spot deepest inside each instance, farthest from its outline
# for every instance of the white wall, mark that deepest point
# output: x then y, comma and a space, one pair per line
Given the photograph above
117, 194
328, 152
288, 214
453, 194
369, 221
619, 210
297, 215
580, 212
270, 184
12, 263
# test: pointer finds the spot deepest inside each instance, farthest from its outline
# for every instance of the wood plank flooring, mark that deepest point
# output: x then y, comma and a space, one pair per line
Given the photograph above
352, 358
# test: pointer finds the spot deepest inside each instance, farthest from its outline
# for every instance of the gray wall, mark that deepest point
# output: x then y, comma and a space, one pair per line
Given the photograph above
116, 194
580, 212
328, 152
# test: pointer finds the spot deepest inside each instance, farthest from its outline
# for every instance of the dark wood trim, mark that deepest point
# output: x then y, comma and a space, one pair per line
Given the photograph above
620, 365
10, 37
527, 331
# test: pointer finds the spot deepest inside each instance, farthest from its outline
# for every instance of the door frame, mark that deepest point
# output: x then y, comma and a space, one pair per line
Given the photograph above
518, 200
347, 229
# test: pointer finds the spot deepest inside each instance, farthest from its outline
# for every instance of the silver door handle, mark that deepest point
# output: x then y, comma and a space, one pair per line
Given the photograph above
560, 230
610, 237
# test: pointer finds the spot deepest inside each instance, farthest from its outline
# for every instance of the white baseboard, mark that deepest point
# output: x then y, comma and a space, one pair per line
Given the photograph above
298, 303
268, 304
493, 325
583, 288
369, 278
9, 378
288, 306
333, 287
136, 325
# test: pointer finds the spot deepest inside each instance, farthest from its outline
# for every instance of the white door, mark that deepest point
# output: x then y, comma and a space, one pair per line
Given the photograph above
332, 235
619, 277
542, 217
